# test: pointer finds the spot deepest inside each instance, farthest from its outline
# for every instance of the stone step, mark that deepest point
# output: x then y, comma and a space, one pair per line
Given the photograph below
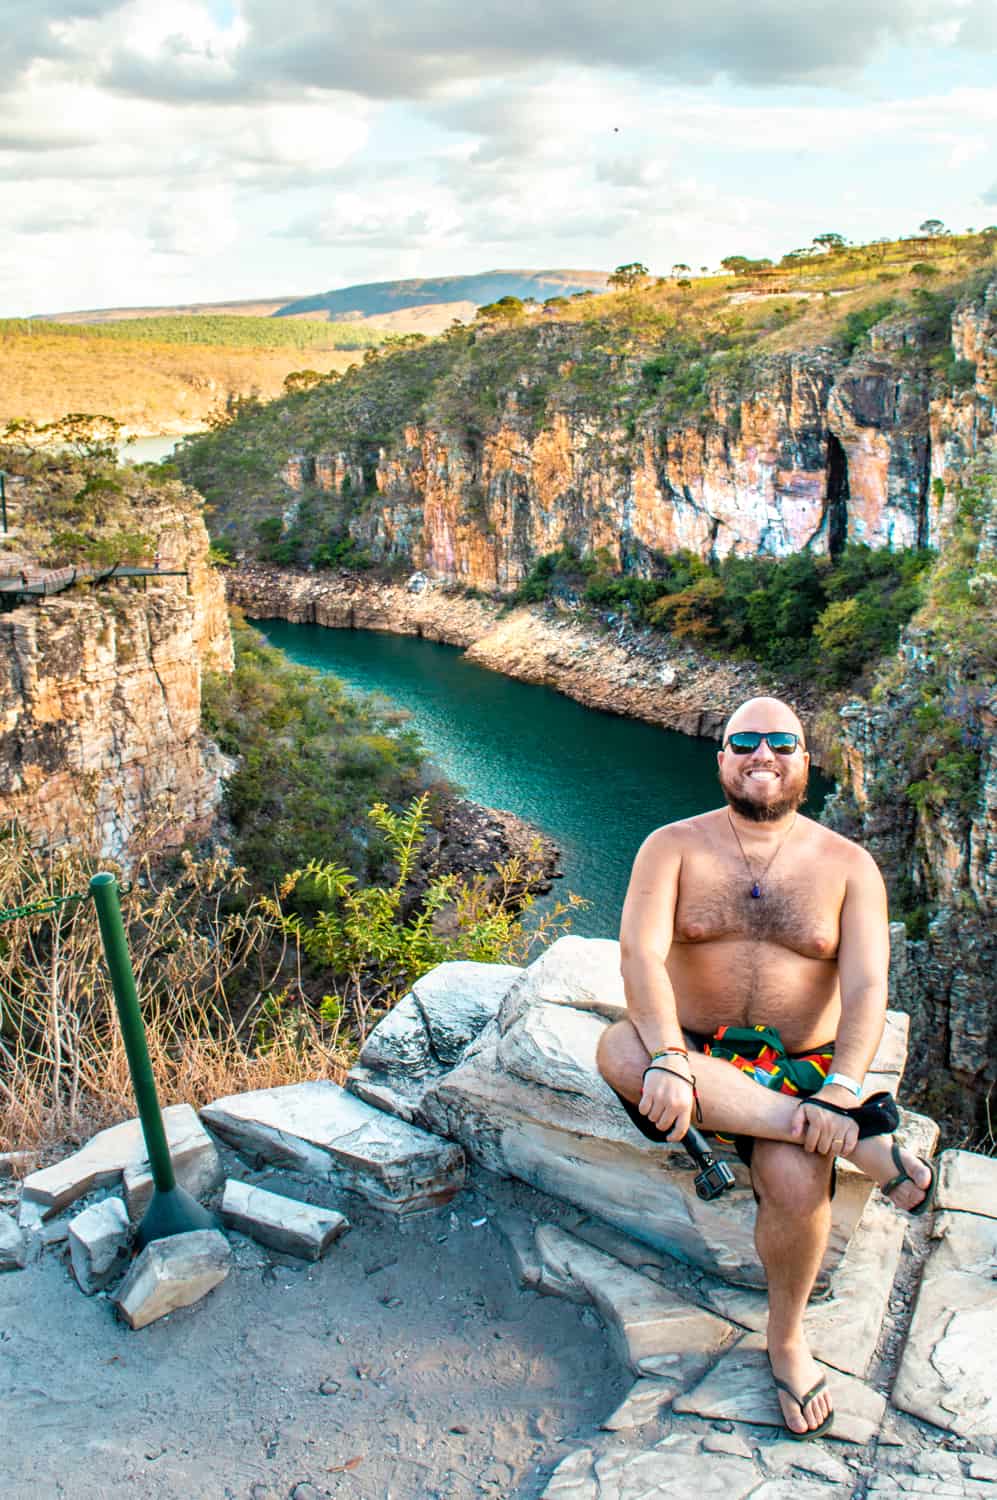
946, 1373
119, 1153
320, 1130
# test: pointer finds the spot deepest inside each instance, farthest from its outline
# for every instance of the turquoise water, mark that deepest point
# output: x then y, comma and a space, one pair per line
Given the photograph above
596, 783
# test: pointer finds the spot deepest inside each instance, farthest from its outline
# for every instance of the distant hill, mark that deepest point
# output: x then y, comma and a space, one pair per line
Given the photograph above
258, 307
368, 299
375, 298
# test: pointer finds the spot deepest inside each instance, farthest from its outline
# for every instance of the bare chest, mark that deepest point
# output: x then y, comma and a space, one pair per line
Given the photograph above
796, 913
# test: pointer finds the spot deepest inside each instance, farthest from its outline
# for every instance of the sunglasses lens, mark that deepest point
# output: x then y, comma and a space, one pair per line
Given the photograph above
780, 741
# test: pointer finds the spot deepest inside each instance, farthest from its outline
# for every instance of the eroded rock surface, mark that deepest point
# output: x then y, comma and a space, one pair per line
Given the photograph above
120, 1152
173, 1273
321, 1130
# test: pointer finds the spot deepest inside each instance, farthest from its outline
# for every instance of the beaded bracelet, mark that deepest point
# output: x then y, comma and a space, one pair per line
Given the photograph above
654, 1067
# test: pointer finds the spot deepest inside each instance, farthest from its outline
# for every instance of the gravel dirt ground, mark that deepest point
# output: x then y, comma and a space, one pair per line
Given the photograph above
406, 1364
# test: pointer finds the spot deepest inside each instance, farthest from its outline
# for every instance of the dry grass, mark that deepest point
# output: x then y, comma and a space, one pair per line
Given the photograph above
147, 387
219, 984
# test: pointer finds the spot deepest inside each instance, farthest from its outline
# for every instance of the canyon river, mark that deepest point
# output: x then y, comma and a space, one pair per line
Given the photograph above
596, 783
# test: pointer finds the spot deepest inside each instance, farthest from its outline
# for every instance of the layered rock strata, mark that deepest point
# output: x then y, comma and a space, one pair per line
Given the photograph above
821, 451
100, 703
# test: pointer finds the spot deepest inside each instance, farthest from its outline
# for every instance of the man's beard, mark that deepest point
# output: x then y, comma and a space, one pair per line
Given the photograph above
755, 812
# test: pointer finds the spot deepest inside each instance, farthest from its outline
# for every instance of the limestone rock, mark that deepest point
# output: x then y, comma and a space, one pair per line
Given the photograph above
843, 1328
652, 1329
583, 973
518, 1232
13, 1244
113, 1152
319, 1129
428, 1031
664, 1472
946, 1372
643, 1401
282, 1223
581, 1147
101, 702
740, 1388
98, 1244
196, 1165
173, 1273
967, 1181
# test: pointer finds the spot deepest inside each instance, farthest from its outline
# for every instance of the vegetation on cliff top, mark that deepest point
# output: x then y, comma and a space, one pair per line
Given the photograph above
654, 354
808, 616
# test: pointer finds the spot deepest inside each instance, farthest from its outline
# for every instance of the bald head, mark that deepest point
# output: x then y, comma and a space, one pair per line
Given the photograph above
760, 714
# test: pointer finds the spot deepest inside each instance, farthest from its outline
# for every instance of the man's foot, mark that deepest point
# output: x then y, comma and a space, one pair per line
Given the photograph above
797, 1374
911, 1187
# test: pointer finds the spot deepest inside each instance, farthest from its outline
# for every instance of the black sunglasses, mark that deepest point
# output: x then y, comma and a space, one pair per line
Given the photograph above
780, 741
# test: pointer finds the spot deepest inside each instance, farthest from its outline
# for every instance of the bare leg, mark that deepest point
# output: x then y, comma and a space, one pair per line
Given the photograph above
794, 1217
735, 1105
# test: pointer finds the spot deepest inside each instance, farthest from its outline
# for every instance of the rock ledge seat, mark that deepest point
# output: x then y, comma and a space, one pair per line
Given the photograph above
502, 1060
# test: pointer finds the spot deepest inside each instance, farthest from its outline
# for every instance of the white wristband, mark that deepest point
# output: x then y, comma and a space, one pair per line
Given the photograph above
842, 1081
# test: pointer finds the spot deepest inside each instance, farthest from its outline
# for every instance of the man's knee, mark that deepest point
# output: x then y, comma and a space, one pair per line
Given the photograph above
789, 1179
620, 1049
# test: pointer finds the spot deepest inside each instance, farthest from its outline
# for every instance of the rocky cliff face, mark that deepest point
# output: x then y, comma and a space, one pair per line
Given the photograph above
932, 719
820, 452
100, 702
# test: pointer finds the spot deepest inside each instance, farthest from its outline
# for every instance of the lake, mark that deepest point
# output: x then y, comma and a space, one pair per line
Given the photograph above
596, 783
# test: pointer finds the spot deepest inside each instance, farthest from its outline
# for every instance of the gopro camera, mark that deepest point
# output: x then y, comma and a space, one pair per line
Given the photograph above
714, 1177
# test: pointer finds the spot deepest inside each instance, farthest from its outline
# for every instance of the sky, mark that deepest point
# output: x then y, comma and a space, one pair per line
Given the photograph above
205, 150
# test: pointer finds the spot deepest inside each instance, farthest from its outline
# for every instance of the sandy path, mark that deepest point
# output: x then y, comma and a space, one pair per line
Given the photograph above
409, 1348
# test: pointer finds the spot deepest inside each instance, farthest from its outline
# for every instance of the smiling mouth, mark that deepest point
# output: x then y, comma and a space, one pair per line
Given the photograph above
762, 775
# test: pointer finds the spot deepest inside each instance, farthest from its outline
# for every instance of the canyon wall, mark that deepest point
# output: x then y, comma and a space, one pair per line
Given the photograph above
100, 702
821, 451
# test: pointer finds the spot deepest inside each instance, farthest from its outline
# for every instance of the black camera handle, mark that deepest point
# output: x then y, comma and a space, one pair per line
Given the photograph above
714, 1177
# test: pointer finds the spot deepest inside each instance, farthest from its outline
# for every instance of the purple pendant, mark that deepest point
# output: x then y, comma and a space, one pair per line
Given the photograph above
756, 890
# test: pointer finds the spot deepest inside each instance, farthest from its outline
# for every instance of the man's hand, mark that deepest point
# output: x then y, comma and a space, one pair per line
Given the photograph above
667, 1098
823, 1131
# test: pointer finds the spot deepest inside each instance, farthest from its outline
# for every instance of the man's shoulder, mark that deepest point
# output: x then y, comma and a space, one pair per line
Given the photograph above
684, 832
843, 851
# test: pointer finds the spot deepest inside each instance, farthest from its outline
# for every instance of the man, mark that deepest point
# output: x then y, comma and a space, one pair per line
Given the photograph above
754, 916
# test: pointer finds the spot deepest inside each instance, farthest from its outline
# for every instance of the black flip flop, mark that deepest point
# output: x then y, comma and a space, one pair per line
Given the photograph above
904, 1176
801, 1401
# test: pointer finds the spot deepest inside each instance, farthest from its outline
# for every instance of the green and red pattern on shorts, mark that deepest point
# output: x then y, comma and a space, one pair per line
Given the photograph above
759, 1052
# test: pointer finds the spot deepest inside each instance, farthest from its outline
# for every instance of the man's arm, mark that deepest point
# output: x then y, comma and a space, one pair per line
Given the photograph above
645, 940
863, 966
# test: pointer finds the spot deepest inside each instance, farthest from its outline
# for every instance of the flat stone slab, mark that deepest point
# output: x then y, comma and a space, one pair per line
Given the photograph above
643, 1401
581, 972
946, 1374
967, 1181
321, 1130
173, 1273
659, 1473
120, 1151
13, 1244
284, 1224
740, 1389
98, 1244
653, 1330
843, 1330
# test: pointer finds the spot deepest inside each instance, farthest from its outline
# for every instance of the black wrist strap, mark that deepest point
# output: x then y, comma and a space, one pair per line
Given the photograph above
690, 1080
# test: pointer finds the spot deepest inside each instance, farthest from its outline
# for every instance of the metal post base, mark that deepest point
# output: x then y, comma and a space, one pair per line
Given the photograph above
173, 1212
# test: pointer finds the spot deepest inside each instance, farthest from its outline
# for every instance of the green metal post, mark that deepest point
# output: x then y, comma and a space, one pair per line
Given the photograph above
3, 504
172, 1209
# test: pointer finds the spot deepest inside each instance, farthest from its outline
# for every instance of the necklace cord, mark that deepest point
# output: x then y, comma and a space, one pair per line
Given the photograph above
756, 883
